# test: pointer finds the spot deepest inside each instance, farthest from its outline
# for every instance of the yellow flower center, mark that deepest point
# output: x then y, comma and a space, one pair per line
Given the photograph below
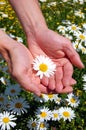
13, 91
62, 28
43, 114
55, 115
82, 36
66, 114
18, 105
33, 124
73, 27
43, 67
1, 99
73, 100
42, 125
50, 95
6, 119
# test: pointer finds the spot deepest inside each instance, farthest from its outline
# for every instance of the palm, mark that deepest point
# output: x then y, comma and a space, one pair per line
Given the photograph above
57, 82
21, 69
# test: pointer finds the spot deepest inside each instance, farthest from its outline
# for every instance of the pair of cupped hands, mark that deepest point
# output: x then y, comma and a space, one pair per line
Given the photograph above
48, 43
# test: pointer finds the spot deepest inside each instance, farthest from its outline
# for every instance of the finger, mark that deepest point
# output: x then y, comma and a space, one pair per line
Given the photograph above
67, 73
67, 89
72, 81
58, 78
73, 56
60, 54
51, 84
45, 81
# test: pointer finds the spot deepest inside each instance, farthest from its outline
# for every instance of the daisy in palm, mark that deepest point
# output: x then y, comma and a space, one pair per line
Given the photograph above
43, 113
18, 106
44, 66
66, 113
7, 121
72, 100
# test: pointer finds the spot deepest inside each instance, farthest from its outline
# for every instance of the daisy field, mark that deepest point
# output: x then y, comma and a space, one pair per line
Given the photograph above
22, 110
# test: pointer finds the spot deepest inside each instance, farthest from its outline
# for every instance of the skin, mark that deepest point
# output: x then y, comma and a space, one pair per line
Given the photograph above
44, 41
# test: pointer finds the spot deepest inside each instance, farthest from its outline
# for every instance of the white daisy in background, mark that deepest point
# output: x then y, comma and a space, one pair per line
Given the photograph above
43, 0
2, 79
84, 25
5, 15
62, 29
18, 106
76, 45
84, 87
57, 99
43, 126
80, 36
37, 98
13, 90
7, 121
69, 36
48, 97
84, 77
55, 115
79, 13
73, 28
83, 49
72, 100
19, 39
79, 1
32, 124
44, 66
66, 113
43, 113
2, 98
2, 3
51, 4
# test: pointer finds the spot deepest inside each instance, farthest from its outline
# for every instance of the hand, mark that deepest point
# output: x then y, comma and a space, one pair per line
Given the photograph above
62, 81
55, 46
19, 61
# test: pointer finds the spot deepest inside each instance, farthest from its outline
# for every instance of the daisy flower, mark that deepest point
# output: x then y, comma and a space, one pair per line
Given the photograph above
48, 97
72, 100
13, 90
62, 29
80, 36
84, 77
66, 113
32, 124
84, 87
18, 106
43, 126
44, 66
73, 28
55, 115
57, 99
2, 79
43, 0
80, 14
2, 98
7, 121
43, 113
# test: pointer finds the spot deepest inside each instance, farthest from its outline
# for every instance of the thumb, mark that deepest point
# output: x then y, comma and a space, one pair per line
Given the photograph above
60, 54
73, 56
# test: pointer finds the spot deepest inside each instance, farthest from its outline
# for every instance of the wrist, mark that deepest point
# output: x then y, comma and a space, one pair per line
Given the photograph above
6, 43
29, 14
